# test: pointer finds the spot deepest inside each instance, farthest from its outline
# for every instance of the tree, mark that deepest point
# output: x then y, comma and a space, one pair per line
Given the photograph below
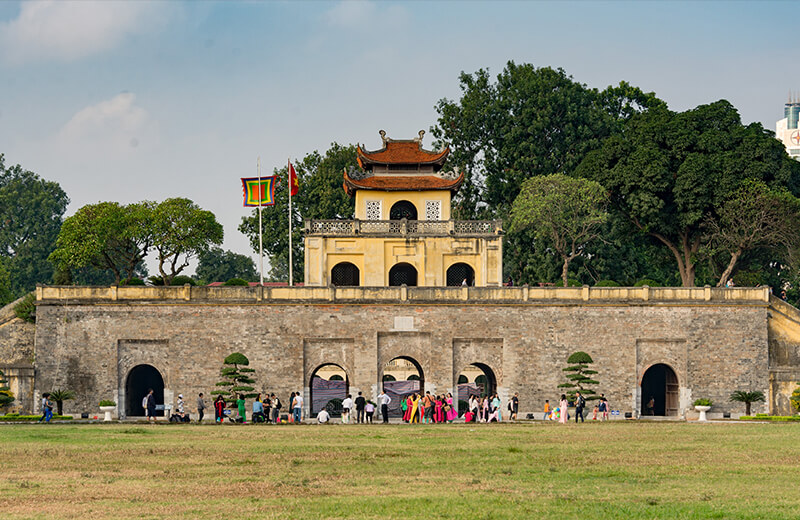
741, 396
181, 230
59, 396
217, 265
6, 295
531, 121
235, 379
321, 197
31, 211
794, 400
105, 236
6, 396
578, 373
753, 216
565, 212
669, 173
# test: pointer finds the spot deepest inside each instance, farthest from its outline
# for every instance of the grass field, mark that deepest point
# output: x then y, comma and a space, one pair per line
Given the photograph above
610, 470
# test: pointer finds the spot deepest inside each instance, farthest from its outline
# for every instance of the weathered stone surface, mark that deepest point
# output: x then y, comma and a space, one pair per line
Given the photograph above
17, 357
714, 348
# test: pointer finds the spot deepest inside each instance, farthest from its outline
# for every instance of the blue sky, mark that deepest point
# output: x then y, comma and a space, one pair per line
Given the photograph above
134, 100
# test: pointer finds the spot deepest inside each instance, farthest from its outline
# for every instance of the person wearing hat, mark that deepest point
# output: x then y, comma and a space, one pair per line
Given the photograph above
179, 407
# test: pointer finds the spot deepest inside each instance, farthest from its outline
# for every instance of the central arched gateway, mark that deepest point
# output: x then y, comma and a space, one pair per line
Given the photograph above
659, 384
327, 389
140, 380
401, 377
476, 379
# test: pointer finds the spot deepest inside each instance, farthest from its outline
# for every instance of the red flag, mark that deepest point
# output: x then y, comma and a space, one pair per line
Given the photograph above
293, 185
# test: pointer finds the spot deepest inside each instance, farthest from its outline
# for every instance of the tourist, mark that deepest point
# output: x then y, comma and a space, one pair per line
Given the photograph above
485, 409
179, 407
201, 406
219, 409
45, 397
438, 413
370, 410
405, 407
416, 404
151, 406
347, 404
276, 408
496, 409
547, 413
651, 406
594, 412
514, 406
580, 402
258, 410
602, 408
267, 406
291, 406
562, 409
297, 408
451, 412
323, 416
49, 405
384, 401
240, 404
473, 407
361, 404
428, 404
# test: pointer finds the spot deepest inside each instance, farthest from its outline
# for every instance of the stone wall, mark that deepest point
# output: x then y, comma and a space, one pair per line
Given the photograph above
17, 357
715, 345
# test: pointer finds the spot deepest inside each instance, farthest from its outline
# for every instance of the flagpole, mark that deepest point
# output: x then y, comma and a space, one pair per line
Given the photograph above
260, 238
289, 174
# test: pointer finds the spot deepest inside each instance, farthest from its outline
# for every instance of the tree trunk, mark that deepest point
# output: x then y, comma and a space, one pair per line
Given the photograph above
60, 407
728, 270
565, 270
747, 408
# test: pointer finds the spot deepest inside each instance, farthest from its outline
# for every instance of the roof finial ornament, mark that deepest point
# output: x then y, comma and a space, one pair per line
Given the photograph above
419, 139
383, 136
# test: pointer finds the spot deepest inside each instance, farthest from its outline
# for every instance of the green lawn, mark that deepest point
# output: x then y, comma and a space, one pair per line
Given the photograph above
597, 470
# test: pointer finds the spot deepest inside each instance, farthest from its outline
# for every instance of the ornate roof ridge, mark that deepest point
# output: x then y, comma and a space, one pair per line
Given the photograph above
398, 151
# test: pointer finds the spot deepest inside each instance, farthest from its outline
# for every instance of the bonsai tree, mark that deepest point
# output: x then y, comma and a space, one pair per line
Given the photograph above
578, 373
59, 396
6, 396
740, 396
235, 377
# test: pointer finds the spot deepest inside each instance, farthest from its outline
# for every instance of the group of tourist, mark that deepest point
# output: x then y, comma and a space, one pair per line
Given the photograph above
488, 409
266, 409
417, 408
361, 408
561, 412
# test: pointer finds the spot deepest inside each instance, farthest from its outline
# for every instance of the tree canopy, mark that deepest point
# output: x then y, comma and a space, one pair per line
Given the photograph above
670, 173
565, 212
218, 265
31, 211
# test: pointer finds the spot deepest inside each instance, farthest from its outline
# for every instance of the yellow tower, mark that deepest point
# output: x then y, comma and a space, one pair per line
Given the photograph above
402, 233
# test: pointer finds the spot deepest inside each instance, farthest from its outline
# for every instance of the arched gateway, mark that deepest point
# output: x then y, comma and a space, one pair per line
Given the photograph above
140, 380
659, 384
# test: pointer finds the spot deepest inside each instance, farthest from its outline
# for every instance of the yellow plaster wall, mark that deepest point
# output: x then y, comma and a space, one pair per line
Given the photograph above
430, 256
389, 198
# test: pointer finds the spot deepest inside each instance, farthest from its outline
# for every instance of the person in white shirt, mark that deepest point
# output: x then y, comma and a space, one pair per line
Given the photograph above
384, 401
323, 416
297, 407
347, 404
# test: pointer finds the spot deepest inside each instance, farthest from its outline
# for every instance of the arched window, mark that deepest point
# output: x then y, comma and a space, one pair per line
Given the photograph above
403, 210
403, 273
457, 273
344, 274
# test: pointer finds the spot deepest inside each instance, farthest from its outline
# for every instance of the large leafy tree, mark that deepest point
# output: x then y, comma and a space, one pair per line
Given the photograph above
106, 236
754, 216
670, 173
217, 265
321, 196
31, 211
181, 231
566, 213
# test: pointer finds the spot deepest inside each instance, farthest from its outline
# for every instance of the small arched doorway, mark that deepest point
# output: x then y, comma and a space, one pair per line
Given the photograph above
402, 274
403, 209
345, 274
140, 380
476, 379
457, 273
402, 376
327, 389
659, 383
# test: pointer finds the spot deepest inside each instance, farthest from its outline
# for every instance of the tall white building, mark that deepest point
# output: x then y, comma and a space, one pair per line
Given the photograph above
787, 129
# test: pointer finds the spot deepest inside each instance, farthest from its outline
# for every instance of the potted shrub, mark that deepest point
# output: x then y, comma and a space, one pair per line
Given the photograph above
107, 406
702, 405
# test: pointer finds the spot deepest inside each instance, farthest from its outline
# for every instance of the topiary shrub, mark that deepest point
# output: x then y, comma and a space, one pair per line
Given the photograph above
606, 283
6, 396
183, 280
648, 282
703, 402
235, 379
578, 373
237, 282
26, 308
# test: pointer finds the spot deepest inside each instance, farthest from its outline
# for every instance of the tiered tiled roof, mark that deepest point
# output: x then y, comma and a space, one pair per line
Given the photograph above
401, 183
397, 151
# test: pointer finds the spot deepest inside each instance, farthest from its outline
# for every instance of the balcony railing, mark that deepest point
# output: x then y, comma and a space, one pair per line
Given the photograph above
404, 227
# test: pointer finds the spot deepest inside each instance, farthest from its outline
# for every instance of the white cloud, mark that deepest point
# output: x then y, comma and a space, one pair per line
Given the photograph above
113, 127
51, 30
